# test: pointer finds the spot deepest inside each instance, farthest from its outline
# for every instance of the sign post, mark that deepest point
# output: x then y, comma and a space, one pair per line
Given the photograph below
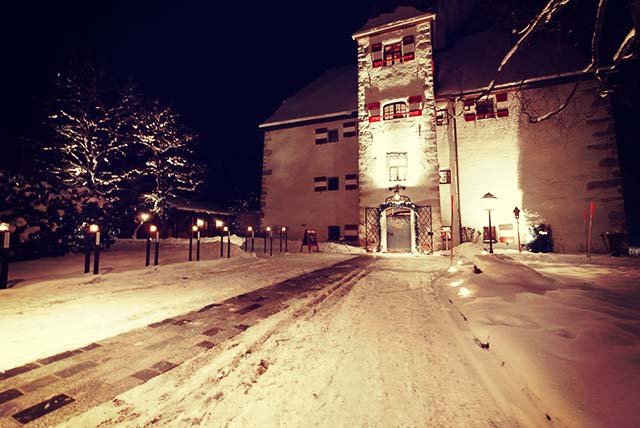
310, 239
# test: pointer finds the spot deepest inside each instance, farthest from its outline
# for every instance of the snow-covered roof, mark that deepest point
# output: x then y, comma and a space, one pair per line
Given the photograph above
400, 16
332, 94
468, 65
471, 62
196, 207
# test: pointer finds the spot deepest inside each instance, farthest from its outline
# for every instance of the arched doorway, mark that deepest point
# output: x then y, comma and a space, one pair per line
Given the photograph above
398, 225
398, 230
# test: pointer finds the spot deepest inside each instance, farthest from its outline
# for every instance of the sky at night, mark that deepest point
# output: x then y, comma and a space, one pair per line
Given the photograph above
223, 67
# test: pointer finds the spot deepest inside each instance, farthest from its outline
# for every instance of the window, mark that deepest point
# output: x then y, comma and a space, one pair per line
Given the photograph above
349, 129
351, 181
392, 54
334, 233
333, 183
333, 135
397, 166
484, 108
320, 184
351, 232
395, 111
321, 135
445, 176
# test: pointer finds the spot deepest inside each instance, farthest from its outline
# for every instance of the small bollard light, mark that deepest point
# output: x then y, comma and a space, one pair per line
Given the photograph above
270, 242
286, 239
147, 255
4, 263
220, 225
226, 229
253, 238
156, 237
196, 229
94, 228
267, 230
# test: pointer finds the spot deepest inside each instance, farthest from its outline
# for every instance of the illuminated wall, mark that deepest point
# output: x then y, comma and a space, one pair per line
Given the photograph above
415, 135
550, 170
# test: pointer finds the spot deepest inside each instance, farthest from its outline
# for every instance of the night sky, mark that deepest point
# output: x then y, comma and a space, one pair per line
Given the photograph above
224, 67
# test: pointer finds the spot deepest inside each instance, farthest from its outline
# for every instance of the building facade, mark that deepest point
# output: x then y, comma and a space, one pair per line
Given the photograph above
390, 153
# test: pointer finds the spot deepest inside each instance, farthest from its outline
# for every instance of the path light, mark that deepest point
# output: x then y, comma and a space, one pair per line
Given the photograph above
153, 229
196, 230
226, 229
489, 202
286, 239
4, 263
94, 228
147, 254
220, 225
246, 241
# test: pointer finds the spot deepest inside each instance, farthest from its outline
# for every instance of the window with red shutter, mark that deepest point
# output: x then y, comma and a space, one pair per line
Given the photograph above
415, 105
395, 111
374, 112
392, 54
376, 55
408, 48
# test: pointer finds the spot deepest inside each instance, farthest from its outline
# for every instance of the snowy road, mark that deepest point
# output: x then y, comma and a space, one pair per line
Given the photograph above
378, 349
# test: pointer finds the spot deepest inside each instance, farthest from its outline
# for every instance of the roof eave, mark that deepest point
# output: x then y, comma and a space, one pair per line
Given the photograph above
305, 119
394, 25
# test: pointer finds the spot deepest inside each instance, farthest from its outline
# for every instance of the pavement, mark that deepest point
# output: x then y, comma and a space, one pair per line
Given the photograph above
52, 390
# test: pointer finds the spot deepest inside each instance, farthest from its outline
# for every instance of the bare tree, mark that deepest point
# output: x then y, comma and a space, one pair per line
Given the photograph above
167, 147
90, 134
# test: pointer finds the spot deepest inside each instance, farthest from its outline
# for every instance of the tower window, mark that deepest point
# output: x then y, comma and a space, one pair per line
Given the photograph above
392, 53
395, 111
397, 166
333, 135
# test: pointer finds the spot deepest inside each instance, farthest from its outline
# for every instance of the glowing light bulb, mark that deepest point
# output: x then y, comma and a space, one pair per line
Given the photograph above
249, 229
194, 228
153, 228
94, 228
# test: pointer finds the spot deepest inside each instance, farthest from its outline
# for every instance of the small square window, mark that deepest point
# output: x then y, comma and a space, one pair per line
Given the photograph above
397, 166
333, 183
333, 135
484, 108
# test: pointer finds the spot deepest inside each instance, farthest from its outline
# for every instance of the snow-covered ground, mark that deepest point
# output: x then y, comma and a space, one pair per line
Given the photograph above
41, 316
567, 328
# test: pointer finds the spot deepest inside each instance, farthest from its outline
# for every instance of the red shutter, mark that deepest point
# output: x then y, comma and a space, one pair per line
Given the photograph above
374, 112
408, 48
502, 104
469, 117
376, 55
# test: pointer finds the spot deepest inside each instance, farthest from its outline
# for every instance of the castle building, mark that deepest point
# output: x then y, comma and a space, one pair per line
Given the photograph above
379, 153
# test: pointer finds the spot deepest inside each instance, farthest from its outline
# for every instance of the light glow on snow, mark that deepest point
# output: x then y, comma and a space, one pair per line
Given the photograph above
464, 292
452, 269
457, 283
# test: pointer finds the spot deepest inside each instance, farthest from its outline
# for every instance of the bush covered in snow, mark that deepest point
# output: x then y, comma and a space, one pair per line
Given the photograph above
542, 241
45, 220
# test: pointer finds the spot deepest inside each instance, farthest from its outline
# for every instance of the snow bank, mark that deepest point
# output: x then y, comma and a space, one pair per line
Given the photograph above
567, 329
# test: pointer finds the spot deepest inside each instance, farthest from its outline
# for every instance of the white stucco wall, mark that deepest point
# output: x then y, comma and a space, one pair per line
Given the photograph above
413, 135
550, 170
291, 161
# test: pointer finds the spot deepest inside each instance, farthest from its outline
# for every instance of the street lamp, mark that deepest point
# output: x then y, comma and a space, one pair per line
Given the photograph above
516, 213
143, 218
489, 201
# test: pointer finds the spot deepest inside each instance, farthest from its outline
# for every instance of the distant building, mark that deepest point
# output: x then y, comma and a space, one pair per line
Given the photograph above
184, 214
372, 154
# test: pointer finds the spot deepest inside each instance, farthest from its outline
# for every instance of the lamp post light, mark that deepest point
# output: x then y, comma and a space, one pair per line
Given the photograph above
516, 213
147, 255
4, 263
219, 225
193, 229
196, 230
226, 229
246, 242
94, 228
270, 232
283, 234
489, 204
153, 229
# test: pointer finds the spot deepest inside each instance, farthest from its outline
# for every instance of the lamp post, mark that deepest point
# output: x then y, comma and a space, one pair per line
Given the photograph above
94, 228
4, 263
143, 217
283, 231
267, 229
489, 202
252, 232
153, 229
270, 232
516, 213
196, 230
219, 225
147, 254
226, 229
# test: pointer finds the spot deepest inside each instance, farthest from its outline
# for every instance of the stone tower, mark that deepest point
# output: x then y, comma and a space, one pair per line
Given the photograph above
398, 162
